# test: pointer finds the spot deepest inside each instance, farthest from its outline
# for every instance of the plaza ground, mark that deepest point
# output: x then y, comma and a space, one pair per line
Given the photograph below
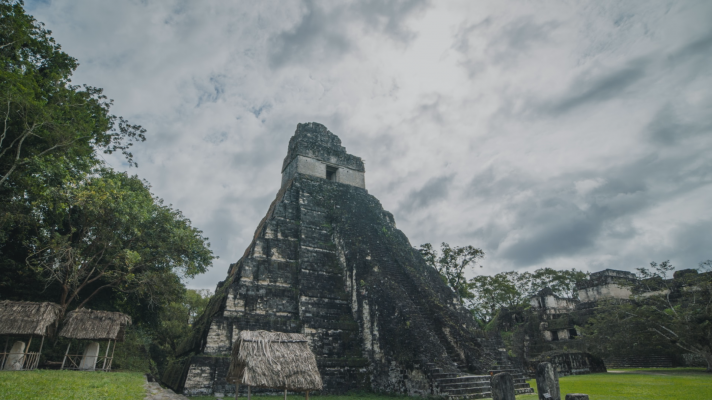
628, 384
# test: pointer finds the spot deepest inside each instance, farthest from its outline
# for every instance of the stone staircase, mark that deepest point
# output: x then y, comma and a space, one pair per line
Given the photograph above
458, 385
453, 381
499, 362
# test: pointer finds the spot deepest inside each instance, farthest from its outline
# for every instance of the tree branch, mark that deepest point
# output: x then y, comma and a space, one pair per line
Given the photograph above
4, 131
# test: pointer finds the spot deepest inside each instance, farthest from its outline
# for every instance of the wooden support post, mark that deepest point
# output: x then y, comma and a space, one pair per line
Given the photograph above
285, 393
106, 354
249, 396
112, 355
4, 356
65, 355
39, 354
25, 357
237, 388
307, 395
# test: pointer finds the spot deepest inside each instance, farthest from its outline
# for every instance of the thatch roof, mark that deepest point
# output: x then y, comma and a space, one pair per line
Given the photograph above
274, 360
28, 318
95, 325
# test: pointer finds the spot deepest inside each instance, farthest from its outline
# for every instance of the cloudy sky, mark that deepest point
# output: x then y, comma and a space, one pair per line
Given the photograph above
564, 134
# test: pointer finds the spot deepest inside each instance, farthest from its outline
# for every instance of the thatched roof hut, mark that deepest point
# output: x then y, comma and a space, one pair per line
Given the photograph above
95, 325
274, 360
28, 318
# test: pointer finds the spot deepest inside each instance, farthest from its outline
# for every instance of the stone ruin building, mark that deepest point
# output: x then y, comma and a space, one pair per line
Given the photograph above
602, 285
559, 317
328, 262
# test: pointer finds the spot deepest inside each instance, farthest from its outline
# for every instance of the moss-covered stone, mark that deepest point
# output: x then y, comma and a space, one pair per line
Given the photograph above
328, 261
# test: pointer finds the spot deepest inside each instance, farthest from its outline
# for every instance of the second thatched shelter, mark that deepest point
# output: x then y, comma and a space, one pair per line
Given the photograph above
94, 325
274, 360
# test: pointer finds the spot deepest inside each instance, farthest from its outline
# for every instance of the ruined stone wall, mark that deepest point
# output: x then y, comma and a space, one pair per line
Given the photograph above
351, 177
304, 165
311, 166
571, 362
604, 291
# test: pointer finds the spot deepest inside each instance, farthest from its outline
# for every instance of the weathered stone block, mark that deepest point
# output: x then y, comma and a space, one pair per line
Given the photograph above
576, 396
503, 387
547, 382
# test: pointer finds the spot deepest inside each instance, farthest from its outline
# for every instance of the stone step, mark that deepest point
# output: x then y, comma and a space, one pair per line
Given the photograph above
448, 386
444, 375
467, 390
467, 378
470, 396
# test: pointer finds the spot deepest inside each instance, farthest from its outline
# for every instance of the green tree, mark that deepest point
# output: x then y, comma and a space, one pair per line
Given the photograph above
43, 116
453, 263
177, 318
561, 282
51, 134
491, 293
514, 289
109, 232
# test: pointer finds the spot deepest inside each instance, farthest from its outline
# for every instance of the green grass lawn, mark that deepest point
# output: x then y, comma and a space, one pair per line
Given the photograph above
71, 385
631, 384
638, 384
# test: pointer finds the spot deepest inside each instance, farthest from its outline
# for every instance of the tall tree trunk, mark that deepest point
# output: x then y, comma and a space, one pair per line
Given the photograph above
708, 357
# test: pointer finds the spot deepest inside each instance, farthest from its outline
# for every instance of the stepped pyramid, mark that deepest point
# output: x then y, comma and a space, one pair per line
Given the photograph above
327, 261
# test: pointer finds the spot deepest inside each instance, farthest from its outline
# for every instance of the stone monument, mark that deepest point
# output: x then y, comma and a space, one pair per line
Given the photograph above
91, 353
327, 261
547, 382
16, 357
503, 387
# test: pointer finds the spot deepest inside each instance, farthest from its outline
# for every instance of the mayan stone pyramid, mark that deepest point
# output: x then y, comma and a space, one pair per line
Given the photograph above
327, 261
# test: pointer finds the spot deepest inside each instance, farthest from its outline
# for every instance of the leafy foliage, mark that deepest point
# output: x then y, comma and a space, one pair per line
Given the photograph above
51, 135
72, 230
43, 116
484, 295
491, 293
110, 231
514, 289
177, 318
452, 263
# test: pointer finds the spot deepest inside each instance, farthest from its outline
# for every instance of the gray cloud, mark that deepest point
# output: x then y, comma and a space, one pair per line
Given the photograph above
550, 134
575, 212
322, 34
668, 127
692, 244
510, 43
432, 191
587, 90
